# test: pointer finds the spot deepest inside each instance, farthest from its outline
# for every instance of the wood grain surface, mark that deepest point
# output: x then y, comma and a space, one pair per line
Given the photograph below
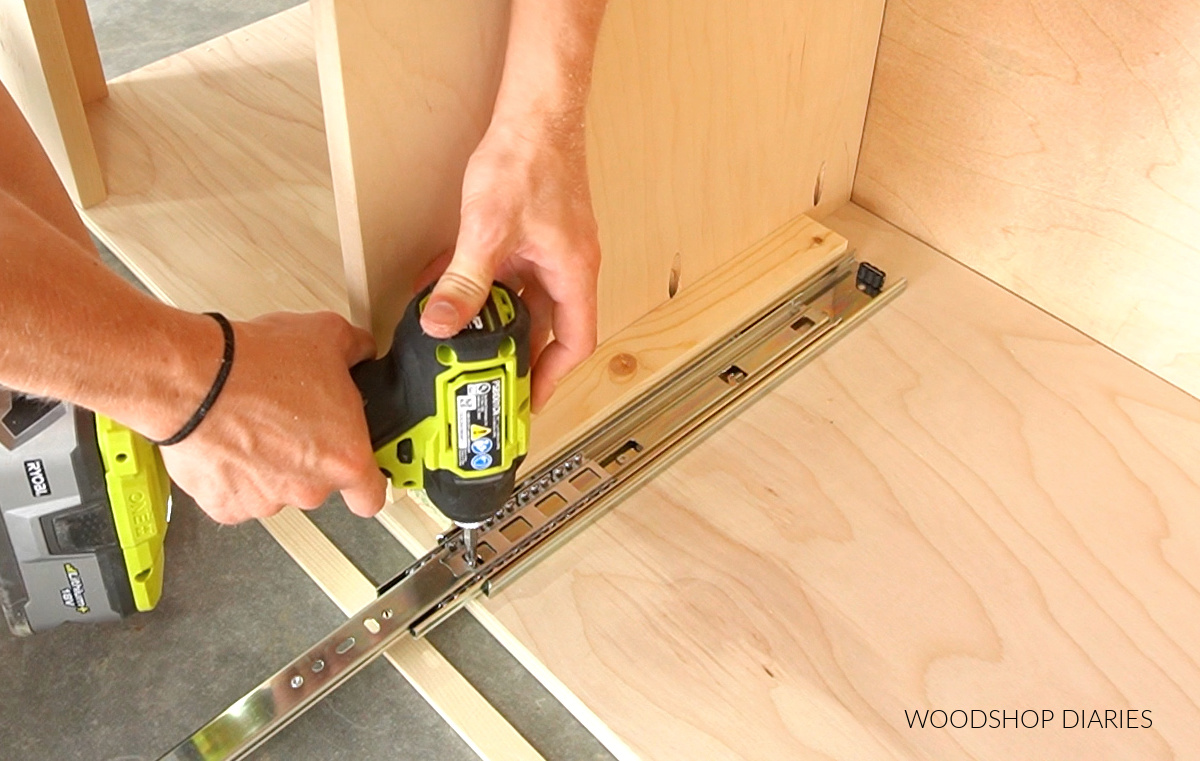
220, 191
709, 125
1054, 146
408, 87
964, 505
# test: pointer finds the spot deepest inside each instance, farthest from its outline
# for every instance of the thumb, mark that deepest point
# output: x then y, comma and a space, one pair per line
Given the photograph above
456, 298
463, 288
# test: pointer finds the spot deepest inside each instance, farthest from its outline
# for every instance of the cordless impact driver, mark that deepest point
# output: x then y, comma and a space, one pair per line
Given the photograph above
85, 501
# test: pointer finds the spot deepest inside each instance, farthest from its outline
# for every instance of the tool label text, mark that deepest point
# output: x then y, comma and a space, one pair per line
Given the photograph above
73, 594
35, 473
479, 420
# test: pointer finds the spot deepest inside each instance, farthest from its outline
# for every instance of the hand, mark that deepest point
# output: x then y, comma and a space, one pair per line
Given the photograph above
527, 221
288, 428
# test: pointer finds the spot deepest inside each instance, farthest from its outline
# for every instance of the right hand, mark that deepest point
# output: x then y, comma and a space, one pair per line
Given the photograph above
527, 221
288, 428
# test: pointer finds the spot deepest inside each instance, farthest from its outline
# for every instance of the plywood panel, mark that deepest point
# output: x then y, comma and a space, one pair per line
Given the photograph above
407, 87
1055, 147
708, 127
220, 192
965, 504
36, 68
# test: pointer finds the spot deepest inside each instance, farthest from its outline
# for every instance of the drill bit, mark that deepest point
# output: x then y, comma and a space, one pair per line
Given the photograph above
470, 532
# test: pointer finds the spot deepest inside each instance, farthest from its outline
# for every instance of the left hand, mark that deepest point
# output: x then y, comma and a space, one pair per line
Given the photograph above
527, 221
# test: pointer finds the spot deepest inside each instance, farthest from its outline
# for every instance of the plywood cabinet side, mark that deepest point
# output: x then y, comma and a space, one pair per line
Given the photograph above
1054, 147
963, 504
39, 66
709, 125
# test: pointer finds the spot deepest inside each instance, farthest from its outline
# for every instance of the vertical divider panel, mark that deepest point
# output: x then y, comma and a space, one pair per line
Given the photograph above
407, 88
710, 125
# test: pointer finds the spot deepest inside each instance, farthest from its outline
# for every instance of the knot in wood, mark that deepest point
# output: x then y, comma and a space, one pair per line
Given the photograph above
622, 366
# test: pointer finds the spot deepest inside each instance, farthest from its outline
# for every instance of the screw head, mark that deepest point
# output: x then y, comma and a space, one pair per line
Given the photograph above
297, 681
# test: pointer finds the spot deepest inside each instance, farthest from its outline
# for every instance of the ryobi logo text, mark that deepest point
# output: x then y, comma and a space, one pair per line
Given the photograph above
35, 473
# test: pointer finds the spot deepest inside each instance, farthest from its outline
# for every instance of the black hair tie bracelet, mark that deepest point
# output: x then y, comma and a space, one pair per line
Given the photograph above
215, 391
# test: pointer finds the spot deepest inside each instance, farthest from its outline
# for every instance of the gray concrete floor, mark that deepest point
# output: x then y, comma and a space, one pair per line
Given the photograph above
235, 608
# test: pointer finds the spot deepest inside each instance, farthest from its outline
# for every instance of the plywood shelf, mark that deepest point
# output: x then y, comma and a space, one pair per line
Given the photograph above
219, 187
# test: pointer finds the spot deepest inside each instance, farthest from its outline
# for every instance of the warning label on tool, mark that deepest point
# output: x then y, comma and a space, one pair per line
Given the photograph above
477, 409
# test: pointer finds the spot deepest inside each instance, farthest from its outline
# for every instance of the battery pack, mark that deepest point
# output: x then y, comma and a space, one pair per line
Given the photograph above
64, 542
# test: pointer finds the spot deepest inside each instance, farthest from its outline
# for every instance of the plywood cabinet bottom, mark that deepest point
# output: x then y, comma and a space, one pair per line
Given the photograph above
219, 187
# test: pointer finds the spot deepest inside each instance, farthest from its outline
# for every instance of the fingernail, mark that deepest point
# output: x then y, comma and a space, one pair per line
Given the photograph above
439, 317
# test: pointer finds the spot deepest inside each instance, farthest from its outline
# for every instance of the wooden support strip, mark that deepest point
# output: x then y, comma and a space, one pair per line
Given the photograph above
678, 331
488, 734
81, 46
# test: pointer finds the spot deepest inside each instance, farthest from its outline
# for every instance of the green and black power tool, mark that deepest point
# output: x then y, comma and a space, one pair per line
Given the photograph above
84, 506
451, 416
85, 501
